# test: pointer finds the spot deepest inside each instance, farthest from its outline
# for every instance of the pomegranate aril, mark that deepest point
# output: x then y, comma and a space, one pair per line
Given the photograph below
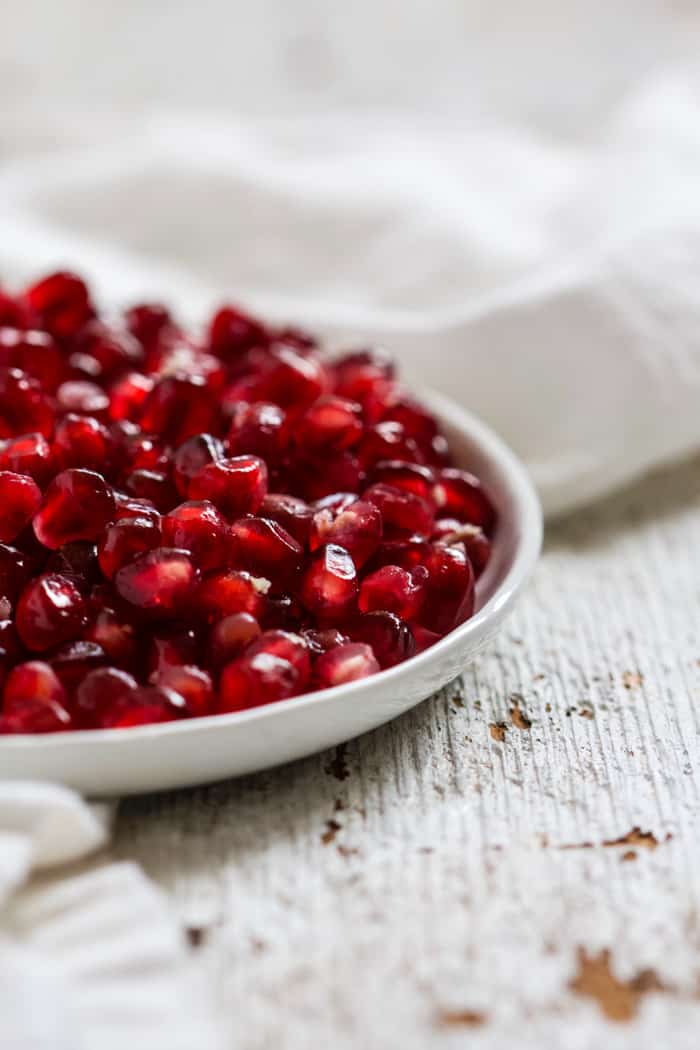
424, 638
395, 590
172, 647
24, 408
283, 611
237, 486
144, 452
356, 526
477, 545
223, 593
14, 312
9, 639
291, 513
417, 422
232, 332
287, 645
324, 474
449, 598
402, 512
78, 561
83, 397
199, 528
330, 423
191, 683
266, 549
391, 639
133, 507
361, 374
406, 552
124, 541
191, 456
321, 640
50, 610
178, 407
74, 661
81, 441
344, 663
20, 497
34, 701
291, 379
115, 635
230, 636
14, 571
160, 581
76, 506
28, 454
98, 692
253, 680
62, 303
35, 353
386, 441
260, 429
127, 395
143, 706
460, 495
329, 585
147, 322
115, 349
152, 485
409, 477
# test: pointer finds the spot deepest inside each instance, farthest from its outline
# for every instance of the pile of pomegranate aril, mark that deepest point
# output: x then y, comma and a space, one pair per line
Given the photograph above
199, 524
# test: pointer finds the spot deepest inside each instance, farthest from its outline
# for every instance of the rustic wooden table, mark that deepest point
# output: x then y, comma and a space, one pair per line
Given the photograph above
516, 863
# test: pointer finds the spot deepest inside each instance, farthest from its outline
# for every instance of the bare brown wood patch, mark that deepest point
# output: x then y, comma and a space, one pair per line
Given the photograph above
618, 1000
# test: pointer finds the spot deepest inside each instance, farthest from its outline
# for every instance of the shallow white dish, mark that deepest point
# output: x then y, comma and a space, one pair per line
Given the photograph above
180, 754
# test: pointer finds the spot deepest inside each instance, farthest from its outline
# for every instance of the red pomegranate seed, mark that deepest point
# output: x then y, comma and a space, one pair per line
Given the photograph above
356, 526
34, 701
362, 374
237, 486
14, 312
132, 507
459, 495
72, 662
83, 397
100, 691
253, 680
199, 528
178, 407
50, 610
291, 513
424, 638
260, 429
391, 639
76, 506
191, 683
80, 441
14, 571
329, 585
172, 647
160, 581
20, 497
395, 590
266, 549
291, 379
191, 456
417, 422
9, 639
62, 303
28, 454
128, 394
115, 349
78, 561
223, 593
402, 512
406, 552
449, 598
232, 332
324, 474
144, 705
409, 477
387, 441
116, 636
147, 322
344, 663
152, 485
320, 641
24, 408
330, 423
287, 645
144, 452
35, 353
476, 544
124, 541
230, 636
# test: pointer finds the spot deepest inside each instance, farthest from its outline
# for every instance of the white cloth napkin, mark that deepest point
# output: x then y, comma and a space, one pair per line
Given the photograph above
89, 960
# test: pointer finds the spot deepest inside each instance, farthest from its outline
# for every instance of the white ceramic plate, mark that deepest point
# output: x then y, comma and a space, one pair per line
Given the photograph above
179, 754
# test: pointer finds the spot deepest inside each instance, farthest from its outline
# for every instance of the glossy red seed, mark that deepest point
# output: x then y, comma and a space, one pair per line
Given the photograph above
476, 543
291, 379
117, 636
230, 636
28, 454
35, 353
395, 590
322, 474
253, 680
199, 528
78, 561
20, 498
424, 638
178, 407
124, 541
362, 374
391, 639
72, 662
144, 452
24, 408
329, 585
287, 645
344, 663
407, 552
133, 507
191, 683
34, 701
172, 647
144, 705
291, 513
98, 692
237, 486
83, 397
260, 429
76, 506
460, 495
80, 441
9, 639
14, 312
14, 571
232, 332
449, 598
330, 423
115, 349
223, 593
147, 322
128, 394
160, 581
321, 640
152, 485
50, 610
417, 422
62, 303
387, 441
402, 512
266, 549
409, 477
356, 526
191, 456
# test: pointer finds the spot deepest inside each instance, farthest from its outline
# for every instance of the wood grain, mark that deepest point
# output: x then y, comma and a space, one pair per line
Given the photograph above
434, 884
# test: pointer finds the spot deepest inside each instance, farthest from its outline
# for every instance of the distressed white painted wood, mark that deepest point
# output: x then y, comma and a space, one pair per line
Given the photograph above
437, 883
